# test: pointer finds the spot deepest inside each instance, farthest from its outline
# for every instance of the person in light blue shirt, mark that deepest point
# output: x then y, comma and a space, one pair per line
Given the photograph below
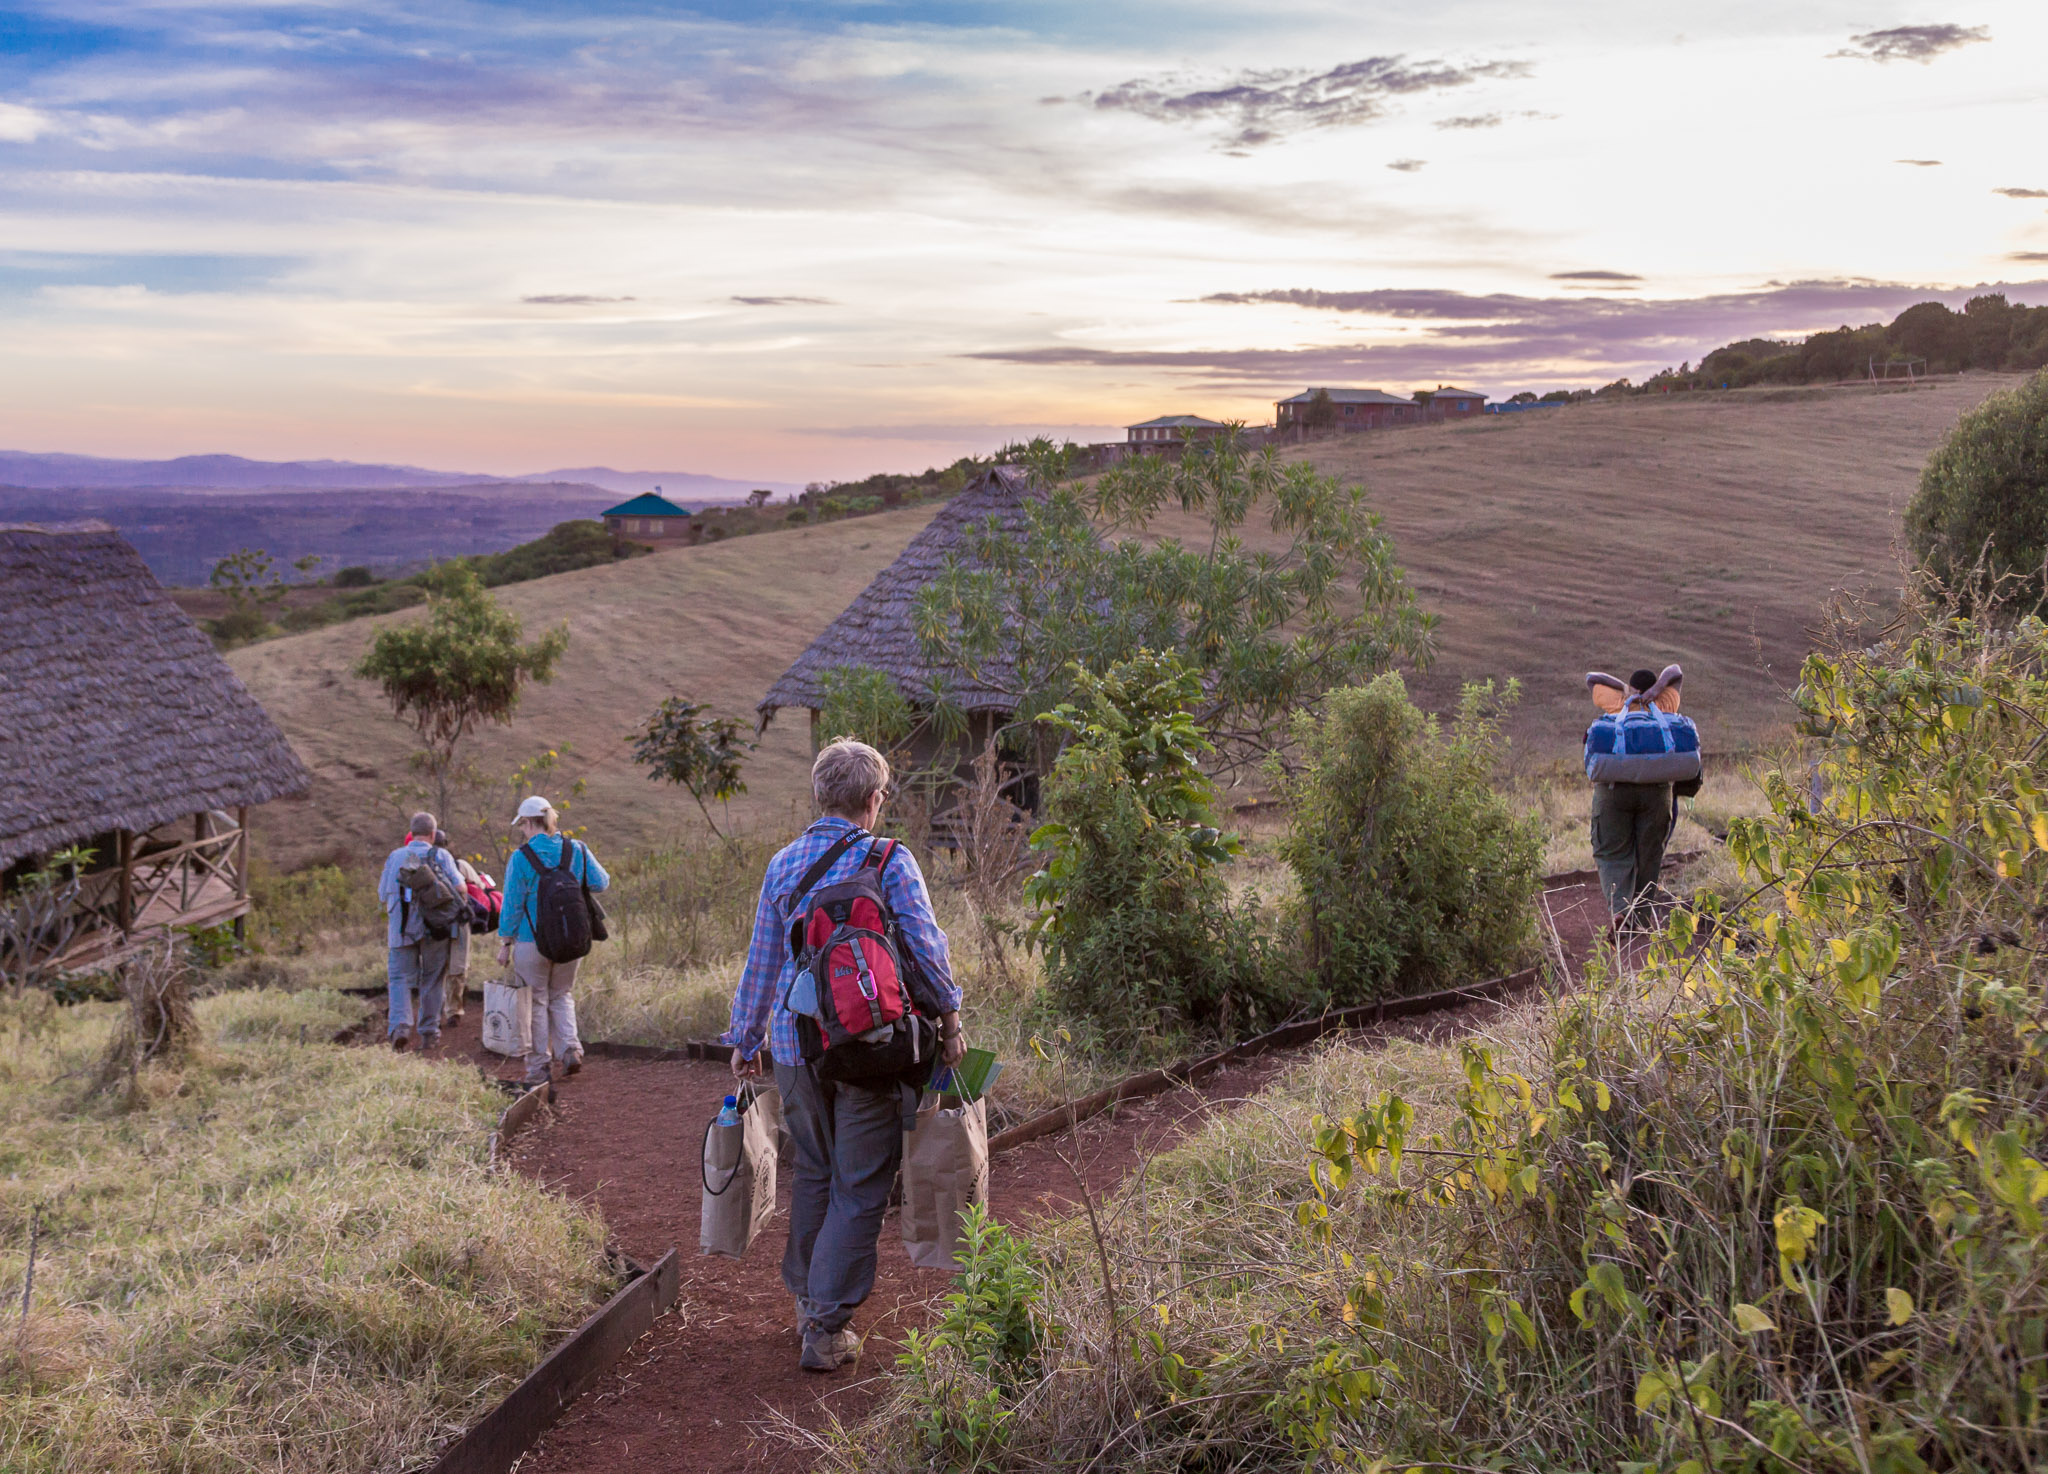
416, 963
545, 985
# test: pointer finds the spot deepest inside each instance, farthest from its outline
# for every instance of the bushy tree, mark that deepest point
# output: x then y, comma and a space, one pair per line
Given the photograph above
1414, 872
1984, 494
463, 665
254, 587
1265, 630
1139, 932
865, 703
700, 754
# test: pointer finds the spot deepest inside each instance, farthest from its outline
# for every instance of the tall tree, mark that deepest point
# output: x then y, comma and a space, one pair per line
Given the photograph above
1268, 619
463, 665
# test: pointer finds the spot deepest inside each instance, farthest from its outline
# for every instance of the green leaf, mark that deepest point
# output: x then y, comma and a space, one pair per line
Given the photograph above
1752, 1321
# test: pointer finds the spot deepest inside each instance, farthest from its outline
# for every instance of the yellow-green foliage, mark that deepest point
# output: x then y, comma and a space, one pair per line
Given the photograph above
1774, 1202
279, 1254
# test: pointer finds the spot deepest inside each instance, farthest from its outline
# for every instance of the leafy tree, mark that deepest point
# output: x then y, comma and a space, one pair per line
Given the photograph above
701, 754
254, 587
355, 576
760, 496
460, 667
1267, 628
1984, 494
866, 703
1131, 908
1413, 870
39, 916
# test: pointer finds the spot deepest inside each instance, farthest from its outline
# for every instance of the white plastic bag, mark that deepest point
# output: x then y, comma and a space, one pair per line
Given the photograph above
945, 1168
508, 1019
739, 1176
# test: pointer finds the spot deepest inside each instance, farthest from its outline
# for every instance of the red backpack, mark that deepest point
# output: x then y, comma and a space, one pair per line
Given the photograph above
873, 1023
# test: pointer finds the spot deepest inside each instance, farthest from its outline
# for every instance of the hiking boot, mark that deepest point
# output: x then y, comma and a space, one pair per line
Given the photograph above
827, 1351
572, 1063
429, 1041
404, 1039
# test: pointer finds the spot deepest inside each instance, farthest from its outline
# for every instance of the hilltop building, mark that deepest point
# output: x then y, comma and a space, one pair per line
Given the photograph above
1350, 409
1172, 430
126, 734
1452, 402
649, 517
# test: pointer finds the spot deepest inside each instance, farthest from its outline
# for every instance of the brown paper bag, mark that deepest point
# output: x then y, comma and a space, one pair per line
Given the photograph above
739, 1176
945, 1167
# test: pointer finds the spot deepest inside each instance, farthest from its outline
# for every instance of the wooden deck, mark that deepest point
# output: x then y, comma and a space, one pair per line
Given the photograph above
154, 892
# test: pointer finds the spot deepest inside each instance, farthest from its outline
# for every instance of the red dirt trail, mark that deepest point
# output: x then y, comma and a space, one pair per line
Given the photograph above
700, 1391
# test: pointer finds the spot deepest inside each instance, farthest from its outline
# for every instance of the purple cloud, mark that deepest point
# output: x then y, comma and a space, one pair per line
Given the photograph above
1911, 43
1261, 107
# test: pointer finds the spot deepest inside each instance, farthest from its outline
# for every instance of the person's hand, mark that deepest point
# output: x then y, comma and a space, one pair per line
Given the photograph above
953, 1047
505, 954
745, 1069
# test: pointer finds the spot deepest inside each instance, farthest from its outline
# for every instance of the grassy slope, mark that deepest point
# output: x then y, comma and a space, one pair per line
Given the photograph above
717, 623
1704, 530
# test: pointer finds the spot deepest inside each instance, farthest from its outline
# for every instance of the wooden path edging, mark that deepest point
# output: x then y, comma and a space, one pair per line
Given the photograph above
1287, 1036
496, 1441
517, 1117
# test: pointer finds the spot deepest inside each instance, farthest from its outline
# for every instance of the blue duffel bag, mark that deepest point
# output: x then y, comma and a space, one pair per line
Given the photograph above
1639, 745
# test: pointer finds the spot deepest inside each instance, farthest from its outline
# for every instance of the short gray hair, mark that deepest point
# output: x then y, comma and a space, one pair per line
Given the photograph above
846, 775
423, 824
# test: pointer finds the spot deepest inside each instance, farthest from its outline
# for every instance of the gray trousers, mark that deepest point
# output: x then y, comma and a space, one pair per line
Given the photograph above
847, 1142
416, 968
1631, 822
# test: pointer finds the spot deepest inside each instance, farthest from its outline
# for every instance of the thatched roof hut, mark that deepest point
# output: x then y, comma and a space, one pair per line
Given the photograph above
878, 629
117, 718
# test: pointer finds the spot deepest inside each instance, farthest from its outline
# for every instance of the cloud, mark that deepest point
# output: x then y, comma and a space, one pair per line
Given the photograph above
1447, 334
2027, 256
1263, 106
20, 124
1920, 163
2013, 193
785, 301
1911, 43
571, 299
1407, 166
1606, 276
1473, 120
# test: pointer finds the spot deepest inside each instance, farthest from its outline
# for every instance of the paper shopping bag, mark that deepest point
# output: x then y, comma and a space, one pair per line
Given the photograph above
739, 1177
508, 1019
945, 1167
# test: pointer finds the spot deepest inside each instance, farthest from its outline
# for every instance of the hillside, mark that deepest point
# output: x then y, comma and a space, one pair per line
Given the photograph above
1705, 530
717, 623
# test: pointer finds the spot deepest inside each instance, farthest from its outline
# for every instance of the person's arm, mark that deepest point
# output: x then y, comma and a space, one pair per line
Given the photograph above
903, 883
593, 873
450, 871
387, 883
754, 998
518, 877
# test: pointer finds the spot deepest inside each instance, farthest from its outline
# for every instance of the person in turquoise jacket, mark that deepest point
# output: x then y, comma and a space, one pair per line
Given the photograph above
552, 1041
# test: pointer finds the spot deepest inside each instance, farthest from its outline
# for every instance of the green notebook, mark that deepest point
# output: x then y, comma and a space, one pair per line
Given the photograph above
972, 1078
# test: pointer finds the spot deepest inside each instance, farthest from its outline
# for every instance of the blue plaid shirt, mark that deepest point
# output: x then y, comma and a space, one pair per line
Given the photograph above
757, 1006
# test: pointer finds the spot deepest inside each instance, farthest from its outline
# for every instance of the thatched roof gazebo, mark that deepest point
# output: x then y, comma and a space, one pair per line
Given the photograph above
123, 731
878, 629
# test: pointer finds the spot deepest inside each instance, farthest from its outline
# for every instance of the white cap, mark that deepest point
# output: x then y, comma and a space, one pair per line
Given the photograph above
534, 807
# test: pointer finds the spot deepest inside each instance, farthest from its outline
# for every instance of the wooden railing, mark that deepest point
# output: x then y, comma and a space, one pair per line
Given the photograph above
203, 881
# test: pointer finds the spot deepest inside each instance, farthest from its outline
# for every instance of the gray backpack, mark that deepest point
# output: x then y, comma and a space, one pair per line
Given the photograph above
425, 889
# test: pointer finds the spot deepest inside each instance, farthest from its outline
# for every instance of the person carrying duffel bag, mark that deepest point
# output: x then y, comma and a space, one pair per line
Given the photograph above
849, 981
545, 929
1641, 755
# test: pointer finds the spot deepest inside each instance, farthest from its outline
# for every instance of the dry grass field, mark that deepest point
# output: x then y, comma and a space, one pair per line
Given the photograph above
1709, 531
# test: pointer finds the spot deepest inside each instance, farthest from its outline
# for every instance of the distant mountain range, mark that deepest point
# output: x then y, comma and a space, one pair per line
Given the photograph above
237, 473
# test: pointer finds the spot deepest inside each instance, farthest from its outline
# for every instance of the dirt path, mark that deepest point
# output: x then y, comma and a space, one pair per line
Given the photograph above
700, 1392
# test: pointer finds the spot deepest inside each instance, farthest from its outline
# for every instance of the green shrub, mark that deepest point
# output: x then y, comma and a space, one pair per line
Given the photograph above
1984, 493
865, 703
1413, 870
1139, 932
355, 576
294, 913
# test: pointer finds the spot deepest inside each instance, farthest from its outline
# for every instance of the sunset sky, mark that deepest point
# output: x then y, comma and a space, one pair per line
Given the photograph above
815, 240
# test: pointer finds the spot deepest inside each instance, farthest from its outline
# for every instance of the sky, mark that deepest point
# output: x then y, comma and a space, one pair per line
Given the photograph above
815, 239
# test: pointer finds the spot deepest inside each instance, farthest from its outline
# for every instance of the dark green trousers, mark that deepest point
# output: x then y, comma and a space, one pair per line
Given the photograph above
1631, 822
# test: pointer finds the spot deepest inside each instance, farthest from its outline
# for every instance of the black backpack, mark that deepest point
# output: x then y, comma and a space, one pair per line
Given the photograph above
875, 1008
565, 917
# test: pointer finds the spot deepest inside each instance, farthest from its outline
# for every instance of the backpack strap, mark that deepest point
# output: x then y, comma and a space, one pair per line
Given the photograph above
888, 849
533, 899
824, 863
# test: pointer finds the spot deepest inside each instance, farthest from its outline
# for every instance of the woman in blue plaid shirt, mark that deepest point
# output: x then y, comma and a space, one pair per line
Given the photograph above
848, 1138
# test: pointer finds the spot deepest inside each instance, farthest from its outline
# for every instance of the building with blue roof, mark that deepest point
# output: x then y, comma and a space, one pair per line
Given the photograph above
649, 517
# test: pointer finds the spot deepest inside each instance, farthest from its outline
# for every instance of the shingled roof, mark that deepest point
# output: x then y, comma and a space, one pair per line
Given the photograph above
877, 629
115, 712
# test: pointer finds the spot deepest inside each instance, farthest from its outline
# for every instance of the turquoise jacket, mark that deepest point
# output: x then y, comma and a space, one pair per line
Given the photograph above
515, 921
